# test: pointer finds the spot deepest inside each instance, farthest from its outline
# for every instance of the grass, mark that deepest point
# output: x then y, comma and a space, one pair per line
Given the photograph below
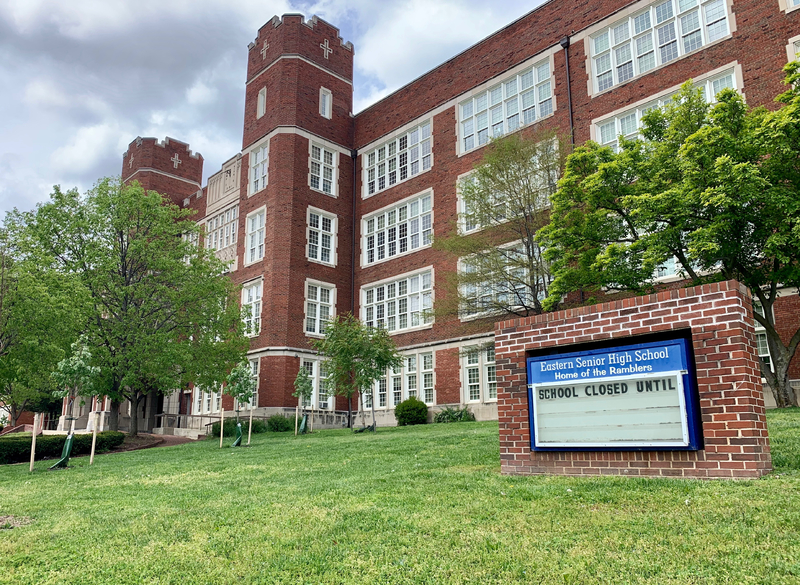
406, 505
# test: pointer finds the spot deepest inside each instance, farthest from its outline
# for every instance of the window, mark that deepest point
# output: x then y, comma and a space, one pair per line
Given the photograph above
508, 285
655, 36
255, 236
321, 398
762, 347
253, 402
221, 229
400, 304
321, 235
397, 230
325, 103
320, 306
251, 308
192, 239
259, 168
399, 159
207, 402
629, 122
323, 169
480, 374
261, 106
514, 102
413, 378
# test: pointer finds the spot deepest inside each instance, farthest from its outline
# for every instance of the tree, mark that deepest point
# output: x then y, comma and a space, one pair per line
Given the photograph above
715, 187
163, 314
506, 201
241, 384
74, 375
356, 356
40, 314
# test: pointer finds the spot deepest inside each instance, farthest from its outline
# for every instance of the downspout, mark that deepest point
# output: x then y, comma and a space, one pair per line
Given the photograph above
565, 45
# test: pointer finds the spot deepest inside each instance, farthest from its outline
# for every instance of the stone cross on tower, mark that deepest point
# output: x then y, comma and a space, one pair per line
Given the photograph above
264, 50
175, 160
130, 162
326, 48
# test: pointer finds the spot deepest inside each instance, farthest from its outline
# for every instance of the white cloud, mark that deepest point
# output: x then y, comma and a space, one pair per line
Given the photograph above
87, 147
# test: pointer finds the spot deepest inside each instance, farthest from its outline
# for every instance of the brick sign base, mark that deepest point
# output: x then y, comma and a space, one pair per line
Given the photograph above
728, 376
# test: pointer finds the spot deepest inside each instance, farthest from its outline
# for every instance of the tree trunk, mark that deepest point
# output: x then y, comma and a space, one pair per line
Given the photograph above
136, 399
113, 416
15, 413
777, 376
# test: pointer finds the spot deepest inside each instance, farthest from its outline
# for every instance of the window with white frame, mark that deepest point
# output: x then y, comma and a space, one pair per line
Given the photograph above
480, 374
399, 159
261, 105
193, 239
398, 229
321, 235
259, 168
320, 306
762, 346
660, 33
221, 229
255, 236
321, 398
251, 307
514, 102
796, 45
629, 122
325, 103
400, 304
413, 378
207, 402
323, 169
253, 402
793, 3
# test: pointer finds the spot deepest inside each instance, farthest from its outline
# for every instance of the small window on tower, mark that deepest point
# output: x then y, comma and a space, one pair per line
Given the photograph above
325, 103
262, 102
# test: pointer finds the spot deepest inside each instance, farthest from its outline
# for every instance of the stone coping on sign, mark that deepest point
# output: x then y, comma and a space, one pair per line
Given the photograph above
719, 316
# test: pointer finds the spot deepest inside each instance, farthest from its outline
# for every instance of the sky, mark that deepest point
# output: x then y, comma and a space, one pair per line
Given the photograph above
82, 78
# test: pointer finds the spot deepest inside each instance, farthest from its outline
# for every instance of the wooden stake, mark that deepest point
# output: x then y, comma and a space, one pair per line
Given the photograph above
296, 417
221, 425
311, 426
36, 418
250, 426
94, 436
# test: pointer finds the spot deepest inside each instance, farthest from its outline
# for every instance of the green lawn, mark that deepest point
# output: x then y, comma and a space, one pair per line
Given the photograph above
411, 505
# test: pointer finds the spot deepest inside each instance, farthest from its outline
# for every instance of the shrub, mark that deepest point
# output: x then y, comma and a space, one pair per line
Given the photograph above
278, 423
16, 449
451, 414
411, 412
259, 426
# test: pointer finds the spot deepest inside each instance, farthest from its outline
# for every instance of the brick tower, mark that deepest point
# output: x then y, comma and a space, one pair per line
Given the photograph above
168, 167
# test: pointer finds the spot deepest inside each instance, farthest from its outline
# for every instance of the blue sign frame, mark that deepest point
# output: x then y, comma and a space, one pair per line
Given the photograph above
672, 356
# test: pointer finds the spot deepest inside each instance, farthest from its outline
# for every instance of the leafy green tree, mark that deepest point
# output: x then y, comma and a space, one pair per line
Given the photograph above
241, 384
506, 201
303, 387
356, 356
163, 314
40, 314
75, 376
715, 187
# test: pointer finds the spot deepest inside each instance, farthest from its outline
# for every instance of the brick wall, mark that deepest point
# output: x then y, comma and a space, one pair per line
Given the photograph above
729, 384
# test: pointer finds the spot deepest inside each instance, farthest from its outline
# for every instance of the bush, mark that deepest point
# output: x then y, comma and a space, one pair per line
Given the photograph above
259, 426
451, 414
16, 449
278, 423
411, 412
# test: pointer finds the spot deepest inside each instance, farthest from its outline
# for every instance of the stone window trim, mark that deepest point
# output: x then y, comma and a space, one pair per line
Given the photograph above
546, 55
325, 103
628, 12
258, 166
370, 153
788, 6
250, 257
479, 373
738, 80
391, 280
793, 47
417, 197
331, 288
334, 235
206, 402
322, 161
261, 104
257, 286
